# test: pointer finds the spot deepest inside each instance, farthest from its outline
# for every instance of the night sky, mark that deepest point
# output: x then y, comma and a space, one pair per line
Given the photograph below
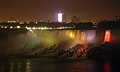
86, 10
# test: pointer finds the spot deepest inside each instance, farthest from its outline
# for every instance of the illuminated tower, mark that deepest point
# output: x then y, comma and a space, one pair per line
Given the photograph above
60, 16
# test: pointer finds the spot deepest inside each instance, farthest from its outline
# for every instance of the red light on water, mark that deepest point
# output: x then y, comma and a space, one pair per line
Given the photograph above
107, 36
107, 67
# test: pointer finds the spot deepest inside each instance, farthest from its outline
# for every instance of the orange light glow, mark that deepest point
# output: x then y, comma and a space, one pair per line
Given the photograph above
107, 36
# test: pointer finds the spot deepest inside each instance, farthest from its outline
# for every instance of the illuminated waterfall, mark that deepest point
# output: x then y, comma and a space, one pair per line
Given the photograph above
70, 37
42, 39
107, 36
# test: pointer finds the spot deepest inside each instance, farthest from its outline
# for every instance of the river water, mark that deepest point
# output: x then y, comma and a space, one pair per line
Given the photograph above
50, 65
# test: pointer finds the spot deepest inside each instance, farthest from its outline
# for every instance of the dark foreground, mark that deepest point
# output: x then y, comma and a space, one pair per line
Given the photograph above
52, 65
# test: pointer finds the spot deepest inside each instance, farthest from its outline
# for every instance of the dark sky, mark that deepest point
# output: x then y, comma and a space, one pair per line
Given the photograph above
86, 10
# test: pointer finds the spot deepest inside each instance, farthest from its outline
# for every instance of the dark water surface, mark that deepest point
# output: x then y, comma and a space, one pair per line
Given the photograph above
50, 65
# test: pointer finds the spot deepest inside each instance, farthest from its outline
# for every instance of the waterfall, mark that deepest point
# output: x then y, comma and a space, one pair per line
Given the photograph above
66, 37
42, 39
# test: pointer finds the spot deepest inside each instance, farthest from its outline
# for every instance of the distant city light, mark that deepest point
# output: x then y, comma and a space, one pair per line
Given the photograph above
18, 27
36, 22
11, 27
33, 28
21, 22
11, 21
60, 17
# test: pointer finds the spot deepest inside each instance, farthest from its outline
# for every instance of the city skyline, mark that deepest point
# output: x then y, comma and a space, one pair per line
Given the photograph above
45, 10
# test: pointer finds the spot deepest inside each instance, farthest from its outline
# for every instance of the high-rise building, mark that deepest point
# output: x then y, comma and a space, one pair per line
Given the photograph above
75, 19
117, 18
64, 19
60, 16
